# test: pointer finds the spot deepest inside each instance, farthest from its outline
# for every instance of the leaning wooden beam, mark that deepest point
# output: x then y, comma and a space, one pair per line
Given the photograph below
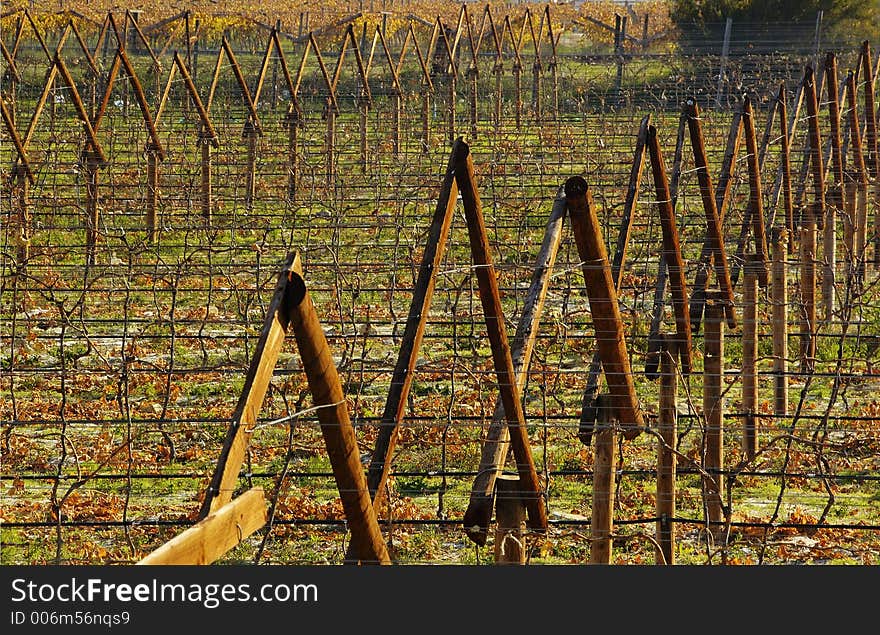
80, 108
495, 448
493, 313
142, 103
242, 83
367, 544
713, 221
256, 383
836, 195
589, 410
722, 196
16, 140
607, 322
756, 198
755, 167
671, 253
207, 126
214, 535
652, 358
402, 376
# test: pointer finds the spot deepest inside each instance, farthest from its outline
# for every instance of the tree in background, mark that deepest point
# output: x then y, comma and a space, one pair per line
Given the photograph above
701, 22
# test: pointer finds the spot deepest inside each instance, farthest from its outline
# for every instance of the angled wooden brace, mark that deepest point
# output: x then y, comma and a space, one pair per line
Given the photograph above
496, 444
291, 309
239, 77
602, 293
16, 140
714, 228
155, 142
459, 178
589, 409
197, 102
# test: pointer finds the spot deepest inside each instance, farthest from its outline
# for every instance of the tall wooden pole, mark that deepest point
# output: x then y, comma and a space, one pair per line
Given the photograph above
835, 192
713, 410
604, 464
779, 302
753, 264
602, 292
666, 446
339, 435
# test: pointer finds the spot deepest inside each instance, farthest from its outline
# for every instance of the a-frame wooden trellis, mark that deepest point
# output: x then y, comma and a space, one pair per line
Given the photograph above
225, 520
459, 179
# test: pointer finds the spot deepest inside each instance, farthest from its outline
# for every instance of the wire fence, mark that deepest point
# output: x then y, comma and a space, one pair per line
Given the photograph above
126, 346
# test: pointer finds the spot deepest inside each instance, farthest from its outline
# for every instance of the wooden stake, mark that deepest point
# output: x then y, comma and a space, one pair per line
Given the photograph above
510, 515
753, 264
367, 543
490, 300
91, 165
604, 464
152, 195
836, 191
497, 440
779, 303
714, 230
210, 538
206, 142
251, 139
713, 409
666, 446
808, 294
607, 322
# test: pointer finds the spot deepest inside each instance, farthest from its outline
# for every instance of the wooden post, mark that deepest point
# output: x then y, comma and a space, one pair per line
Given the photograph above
753, 263
725, 51
152, 194
206, 541
619, 45
22, 214
850, 255
536, 89
807, 288
814, 219
713, 409
91, 164
450, 107
499, 93
330, 144
604, 464
666, 446
426, 119
396, 106
275, 71
250, 136
517, 91
294, 121
339, 435
602, 292
205, 142
490, 299
497, 439
835, 194
414, 329
510, 516
858, 192
872, 152
714, 230
779, 291
472, 80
